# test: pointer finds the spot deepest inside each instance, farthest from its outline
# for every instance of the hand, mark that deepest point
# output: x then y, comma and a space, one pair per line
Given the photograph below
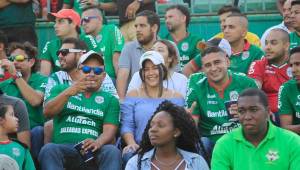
192, 108
131, 9
9, 66
131, 148
85, 3
90, 144
79, 86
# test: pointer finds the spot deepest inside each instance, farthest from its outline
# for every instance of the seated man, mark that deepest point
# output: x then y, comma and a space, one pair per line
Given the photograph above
82, 113
258, 144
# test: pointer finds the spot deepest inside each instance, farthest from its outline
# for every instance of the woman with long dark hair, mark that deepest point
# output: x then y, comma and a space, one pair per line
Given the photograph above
169, 142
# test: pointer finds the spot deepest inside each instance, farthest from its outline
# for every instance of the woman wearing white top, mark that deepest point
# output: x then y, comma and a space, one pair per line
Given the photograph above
175, 81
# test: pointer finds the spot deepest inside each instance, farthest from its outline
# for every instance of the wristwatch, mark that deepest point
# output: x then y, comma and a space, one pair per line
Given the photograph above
17, 76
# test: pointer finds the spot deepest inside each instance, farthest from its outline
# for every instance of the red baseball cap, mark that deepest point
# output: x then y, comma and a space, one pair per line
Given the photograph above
67, 13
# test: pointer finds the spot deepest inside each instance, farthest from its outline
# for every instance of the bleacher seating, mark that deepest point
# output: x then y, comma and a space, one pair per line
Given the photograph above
162, 5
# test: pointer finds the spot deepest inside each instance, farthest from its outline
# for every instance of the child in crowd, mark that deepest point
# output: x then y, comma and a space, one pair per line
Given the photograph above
13, 154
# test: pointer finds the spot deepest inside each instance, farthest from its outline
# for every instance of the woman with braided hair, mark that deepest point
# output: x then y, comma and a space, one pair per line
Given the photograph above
169, 142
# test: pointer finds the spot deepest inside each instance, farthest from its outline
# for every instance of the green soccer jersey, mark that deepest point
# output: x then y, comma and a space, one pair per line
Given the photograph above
279, 150
51, 47
108, 41
289, 100
13, 154
187, 47
37, 82
294, 40
83, 117
241, 62
214, 120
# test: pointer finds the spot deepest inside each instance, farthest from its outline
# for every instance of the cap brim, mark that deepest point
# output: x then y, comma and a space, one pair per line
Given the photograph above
52, 16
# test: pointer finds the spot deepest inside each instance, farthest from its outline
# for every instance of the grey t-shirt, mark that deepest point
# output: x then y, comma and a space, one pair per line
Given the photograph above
130, 57
19, 109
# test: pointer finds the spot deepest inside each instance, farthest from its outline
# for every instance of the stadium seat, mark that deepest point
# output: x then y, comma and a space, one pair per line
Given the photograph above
208, 6
162, 5
258, 5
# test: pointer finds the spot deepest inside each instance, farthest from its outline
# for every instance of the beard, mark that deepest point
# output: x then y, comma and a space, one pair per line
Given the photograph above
146, 39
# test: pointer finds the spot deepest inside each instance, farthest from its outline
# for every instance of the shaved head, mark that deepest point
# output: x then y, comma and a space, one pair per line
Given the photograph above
242, 19
282, 34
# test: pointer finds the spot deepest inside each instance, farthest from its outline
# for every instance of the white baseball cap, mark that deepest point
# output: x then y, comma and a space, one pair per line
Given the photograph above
154, 56
216, 42
89, 54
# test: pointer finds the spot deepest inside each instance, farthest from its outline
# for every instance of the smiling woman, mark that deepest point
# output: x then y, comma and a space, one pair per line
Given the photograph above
141, 102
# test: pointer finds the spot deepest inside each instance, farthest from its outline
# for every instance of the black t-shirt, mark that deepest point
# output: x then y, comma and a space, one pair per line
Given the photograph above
122, 6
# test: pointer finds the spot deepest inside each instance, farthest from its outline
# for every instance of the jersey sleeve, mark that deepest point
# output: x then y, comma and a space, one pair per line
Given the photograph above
55, 91
112, 115
28, 164
196, 62
256, 70
118, 40
284, 104
46, 55
192, 95
50, 84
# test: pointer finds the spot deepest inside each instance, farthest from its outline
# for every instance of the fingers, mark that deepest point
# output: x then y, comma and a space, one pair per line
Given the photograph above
90, 144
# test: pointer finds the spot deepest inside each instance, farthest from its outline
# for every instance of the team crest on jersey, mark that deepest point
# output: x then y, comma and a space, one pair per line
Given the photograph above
99, 99
289, 72
184, 46
245, 55
272, 155
233, 95
16, 151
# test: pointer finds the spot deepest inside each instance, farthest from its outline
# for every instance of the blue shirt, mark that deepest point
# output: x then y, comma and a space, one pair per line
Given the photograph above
136, 111
192, 160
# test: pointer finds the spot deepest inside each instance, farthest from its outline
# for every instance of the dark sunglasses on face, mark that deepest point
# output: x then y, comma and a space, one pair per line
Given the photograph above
65, 52
18, 58
87, 19
88, 69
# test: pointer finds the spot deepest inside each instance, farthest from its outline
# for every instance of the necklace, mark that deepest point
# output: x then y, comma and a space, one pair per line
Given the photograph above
163, 163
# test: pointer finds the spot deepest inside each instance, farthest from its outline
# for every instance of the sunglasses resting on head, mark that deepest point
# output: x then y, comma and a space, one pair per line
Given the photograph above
88, 69
65, 52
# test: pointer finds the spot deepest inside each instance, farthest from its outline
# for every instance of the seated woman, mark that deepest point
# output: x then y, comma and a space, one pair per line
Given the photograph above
169, 141
175, 81
140, 103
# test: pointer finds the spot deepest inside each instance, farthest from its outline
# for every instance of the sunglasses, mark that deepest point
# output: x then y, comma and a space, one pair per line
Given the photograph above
87, 19
18, 58
88, 69
65, 52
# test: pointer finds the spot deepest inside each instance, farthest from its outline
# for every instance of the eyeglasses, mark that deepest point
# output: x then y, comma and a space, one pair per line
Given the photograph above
65, 52
87, 19
18, 58
88, 69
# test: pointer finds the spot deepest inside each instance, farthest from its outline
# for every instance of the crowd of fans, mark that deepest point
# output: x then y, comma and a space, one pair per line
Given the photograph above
99, 96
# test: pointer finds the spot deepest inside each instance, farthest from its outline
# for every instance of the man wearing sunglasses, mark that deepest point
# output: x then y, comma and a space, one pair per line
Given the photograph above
67, 25
82, 114
108, 38
27, 85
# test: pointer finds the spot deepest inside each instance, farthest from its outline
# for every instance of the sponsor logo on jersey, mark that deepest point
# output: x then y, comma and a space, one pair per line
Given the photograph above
184, 46
99, 99
16, 151
57, 63
98, 38
224, 128
212, 102
245, 55
220, 113
84, 109
297, 115
46, 47
272, 155
81, 120
211, 96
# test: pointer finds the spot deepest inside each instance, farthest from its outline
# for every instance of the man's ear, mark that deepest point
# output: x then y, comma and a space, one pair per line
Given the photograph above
154, 28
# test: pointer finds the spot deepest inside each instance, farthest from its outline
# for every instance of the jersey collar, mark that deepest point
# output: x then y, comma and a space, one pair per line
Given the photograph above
224, 86
245, 48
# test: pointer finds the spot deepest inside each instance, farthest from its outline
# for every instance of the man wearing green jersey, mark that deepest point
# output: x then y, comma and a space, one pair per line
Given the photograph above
258, 144
82, 114
214, 93
108, 38
289, 96
295, 17
243, 53
177, 21
67, 24
27, 84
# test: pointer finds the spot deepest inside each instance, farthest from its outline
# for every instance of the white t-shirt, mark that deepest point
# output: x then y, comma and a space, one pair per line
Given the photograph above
177, 82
